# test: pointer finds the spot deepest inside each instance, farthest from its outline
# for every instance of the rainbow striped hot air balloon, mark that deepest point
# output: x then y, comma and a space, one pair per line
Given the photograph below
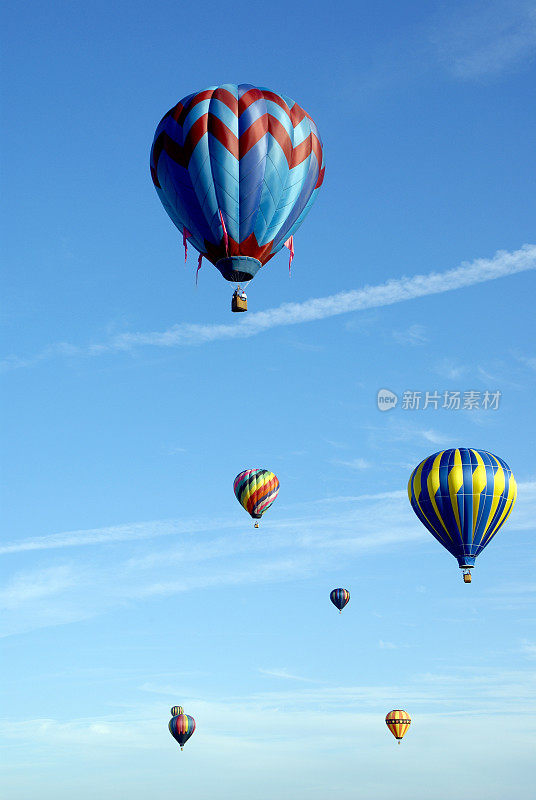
463, 496
181, 725
237, 169
339, 598
256, 490
398, 722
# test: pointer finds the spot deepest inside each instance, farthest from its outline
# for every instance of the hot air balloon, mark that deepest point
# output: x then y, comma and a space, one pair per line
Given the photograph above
463, 496
339, 598
237, 169
398, 722
181, 725
256, 490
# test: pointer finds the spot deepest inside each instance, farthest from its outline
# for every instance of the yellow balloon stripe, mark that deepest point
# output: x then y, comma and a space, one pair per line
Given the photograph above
433, 486
480, 481
416, 481
455, 481
510, 500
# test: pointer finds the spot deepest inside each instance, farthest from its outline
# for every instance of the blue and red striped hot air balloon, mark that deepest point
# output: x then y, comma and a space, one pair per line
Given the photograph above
237, 169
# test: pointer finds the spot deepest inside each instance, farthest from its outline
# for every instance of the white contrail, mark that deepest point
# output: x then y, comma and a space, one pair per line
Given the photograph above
385, 294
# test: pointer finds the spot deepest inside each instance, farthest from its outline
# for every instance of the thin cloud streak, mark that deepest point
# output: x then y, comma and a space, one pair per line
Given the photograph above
389, 293
522, 519
394, 291
283, 673
487, 40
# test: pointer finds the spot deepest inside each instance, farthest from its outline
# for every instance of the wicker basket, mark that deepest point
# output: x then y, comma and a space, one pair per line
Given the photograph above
238, 303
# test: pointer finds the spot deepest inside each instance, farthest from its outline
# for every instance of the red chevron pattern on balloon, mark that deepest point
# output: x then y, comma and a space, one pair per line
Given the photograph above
241, 161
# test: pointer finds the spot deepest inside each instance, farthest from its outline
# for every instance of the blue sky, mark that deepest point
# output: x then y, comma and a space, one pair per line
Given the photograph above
133, 580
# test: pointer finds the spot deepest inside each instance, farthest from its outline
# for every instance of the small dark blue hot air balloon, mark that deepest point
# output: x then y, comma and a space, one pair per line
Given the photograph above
237, 169
339, 598
181, 725
463, 496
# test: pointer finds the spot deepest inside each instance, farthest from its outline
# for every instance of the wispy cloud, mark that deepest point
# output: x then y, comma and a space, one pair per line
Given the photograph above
528, 361
395, 430
503, 264
285, 674
522, 519
189, 527
448, 368
35, 586
529, 649
106, 535
386, 645
488, 39
284, 737
295, 545
354, 463
414, 335
434, 437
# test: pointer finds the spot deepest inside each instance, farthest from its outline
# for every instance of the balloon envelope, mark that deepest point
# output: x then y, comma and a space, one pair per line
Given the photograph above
339, 598
398, 722
463, 496
181, 728
237, 169
256, 490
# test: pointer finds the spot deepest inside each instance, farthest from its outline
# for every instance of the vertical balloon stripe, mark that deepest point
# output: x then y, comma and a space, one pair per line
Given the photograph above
433, 486
486, 500
455, 483
499, 520
480, 483
416, 496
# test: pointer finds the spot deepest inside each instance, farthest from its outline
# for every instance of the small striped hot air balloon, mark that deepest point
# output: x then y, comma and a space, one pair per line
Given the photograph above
256, 490
398, 722
181, 725
339, 598
463, 496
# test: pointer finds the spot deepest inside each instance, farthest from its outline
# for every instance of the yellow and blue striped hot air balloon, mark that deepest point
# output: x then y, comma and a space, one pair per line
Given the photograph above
256, 490
463, 496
